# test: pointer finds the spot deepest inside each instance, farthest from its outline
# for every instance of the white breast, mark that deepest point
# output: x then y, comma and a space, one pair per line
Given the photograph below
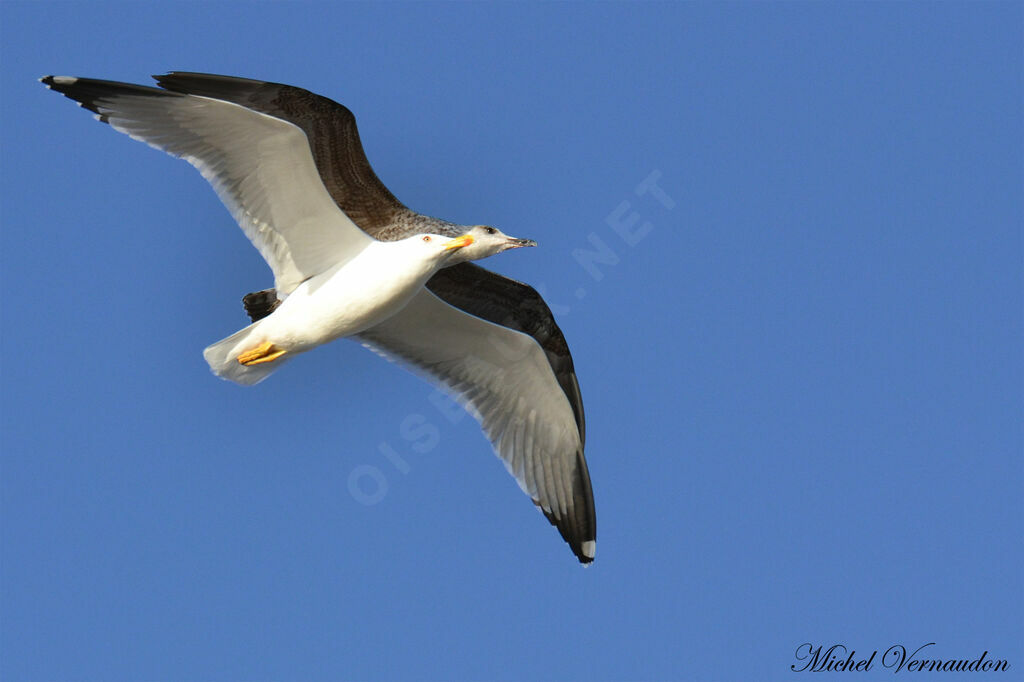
350, 298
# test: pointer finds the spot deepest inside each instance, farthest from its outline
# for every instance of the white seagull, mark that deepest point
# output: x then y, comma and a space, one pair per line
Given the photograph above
350, 260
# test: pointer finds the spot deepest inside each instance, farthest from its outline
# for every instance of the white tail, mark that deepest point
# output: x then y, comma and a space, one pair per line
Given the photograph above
223, 358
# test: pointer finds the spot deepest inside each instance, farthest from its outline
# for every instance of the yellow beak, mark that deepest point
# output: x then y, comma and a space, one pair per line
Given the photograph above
459, 242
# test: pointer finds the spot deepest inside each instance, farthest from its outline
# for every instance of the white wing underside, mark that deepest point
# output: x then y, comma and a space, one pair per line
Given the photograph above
500, 376
260, 167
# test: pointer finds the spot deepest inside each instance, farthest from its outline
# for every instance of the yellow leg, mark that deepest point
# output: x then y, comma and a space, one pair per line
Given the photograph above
265, 352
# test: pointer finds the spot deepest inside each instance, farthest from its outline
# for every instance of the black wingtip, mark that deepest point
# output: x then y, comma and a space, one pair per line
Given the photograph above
584, 549
577, 526
68, 86
58, 83
94, 94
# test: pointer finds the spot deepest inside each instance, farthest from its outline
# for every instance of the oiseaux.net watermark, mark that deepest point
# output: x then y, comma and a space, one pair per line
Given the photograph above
628, 224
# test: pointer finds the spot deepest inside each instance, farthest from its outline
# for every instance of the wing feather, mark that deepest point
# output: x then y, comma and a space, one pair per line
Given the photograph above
333, 140
260, 166
515, 305
504, 380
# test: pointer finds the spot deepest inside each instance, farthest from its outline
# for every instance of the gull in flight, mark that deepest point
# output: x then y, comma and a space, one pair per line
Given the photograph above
350, 260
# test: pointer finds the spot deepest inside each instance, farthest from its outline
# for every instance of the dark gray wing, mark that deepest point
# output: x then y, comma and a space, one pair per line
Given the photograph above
502, 377
518, 306
330, 129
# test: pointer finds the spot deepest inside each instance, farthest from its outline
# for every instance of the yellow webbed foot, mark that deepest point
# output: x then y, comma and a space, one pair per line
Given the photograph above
265, 352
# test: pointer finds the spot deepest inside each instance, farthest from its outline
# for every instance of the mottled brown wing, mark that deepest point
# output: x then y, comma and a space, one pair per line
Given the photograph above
330, 128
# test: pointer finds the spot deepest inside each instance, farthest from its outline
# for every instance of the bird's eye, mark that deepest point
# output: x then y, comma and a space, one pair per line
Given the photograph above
491, 230
426, 237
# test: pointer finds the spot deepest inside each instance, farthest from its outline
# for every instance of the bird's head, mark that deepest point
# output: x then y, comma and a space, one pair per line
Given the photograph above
487, 241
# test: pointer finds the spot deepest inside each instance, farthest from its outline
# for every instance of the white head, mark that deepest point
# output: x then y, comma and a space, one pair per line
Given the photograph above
432, 251
487, 241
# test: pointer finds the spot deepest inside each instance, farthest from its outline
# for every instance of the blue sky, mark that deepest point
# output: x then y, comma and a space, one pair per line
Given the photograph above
802, 384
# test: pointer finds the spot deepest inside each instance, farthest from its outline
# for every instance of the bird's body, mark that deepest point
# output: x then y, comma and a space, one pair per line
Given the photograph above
349, 298
345, 300
349, 260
